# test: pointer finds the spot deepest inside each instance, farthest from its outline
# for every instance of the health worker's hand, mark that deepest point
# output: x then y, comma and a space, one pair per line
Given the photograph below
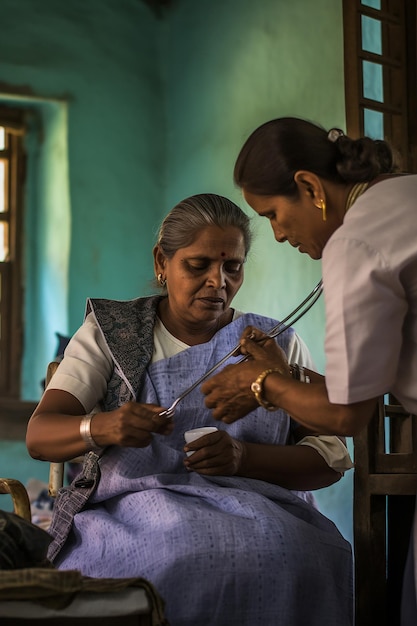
229, 393
258, 346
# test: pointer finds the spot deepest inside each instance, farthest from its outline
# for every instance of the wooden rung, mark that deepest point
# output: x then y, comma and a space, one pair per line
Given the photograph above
392, 484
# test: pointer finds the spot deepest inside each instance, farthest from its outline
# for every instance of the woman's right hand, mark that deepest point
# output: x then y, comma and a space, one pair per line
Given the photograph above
53, 432
130, 425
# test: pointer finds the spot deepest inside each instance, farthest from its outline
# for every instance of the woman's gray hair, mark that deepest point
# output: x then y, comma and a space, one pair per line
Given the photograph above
182, 224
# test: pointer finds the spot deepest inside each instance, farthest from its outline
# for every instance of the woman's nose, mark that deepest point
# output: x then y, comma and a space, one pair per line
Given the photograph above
216, 278
279, 236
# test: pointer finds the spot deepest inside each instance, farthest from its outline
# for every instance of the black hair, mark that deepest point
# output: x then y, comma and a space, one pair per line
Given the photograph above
277, 149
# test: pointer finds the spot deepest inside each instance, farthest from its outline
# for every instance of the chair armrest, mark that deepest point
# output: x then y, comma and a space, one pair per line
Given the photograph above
20, 498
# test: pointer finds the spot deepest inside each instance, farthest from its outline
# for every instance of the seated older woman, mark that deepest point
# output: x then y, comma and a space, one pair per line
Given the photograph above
229, 535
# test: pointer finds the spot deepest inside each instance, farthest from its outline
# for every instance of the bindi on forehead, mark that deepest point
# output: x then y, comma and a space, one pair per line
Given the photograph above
223, 254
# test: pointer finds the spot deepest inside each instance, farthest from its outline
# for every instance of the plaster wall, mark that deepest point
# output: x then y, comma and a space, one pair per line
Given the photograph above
230, 66
237, 65
154, 110
97, 63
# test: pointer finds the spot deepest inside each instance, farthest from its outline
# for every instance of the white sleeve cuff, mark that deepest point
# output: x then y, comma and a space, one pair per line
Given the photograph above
332, 449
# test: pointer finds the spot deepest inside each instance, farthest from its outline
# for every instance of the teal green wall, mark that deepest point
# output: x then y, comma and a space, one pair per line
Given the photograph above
238, 64
132, 113
47, 235
90, 70
231, 65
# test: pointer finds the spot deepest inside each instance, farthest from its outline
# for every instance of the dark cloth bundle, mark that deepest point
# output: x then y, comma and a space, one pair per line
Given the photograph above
22, 544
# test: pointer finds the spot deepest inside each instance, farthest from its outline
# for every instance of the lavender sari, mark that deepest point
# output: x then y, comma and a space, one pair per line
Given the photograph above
222, 551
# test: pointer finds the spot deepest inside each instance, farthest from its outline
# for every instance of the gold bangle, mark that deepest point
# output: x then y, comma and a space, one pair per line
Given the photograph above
257, 388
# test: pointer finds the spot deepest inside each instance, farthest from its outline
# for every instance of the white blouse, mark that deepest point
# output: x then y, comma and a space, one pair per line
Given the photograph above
87, 367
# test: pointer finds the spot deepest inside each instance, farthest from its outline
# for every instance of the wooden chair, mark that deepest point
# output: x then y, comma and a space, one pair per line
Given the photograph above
385, 485
44, 595
56, 470
19, 495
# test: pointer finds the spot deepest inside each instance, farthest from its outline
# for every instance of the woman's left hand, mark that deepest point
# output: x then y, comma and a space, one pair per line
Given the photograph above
216, 454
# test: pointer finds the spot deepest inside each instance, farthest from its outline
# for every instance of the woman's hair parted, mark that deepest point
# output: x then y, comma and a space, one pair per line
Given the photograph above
276, 150
182, 224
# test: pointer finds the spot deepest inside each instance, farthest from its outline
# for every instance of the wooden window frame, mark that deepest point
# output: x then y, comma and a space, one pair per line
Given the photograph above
11, 300
399, 61
13, 411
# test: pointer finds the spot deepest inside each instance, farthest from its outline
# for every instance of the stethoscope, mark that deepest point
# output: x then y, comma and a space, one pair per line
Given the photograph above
276, 330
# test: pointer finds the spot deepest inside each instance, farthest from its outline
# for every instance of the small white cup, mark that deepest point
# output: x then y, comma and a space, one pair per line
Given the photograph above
196, 433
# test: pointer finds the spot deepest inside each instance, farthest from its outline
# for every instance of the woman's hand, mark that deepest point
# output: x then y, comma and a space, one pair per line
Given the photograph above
216, 454
130, 425
53, 432
258, 346
229, 393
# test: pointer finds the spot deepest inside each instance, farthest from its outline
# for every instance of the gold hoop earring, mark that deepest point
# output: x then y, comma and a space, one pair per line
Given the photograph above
162, 281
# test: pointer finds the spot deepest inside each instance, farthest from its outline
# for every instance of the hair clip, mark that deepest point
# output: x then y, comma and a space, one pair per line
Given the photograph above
334, 134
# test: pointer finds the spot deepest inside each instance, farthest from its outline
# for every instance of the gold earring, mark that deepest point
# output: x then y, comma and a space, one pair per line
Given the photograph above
162, 281
322, 206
